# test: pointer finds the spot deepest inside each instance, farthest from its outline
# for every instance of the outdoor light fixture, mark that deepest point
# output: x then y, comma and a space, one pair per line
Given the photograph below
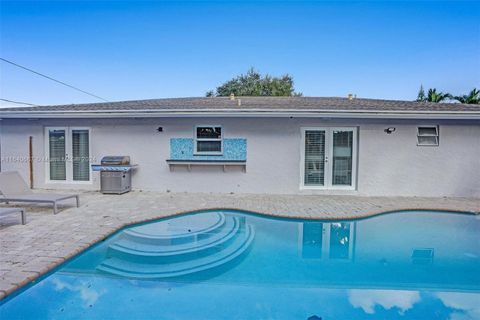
390, 130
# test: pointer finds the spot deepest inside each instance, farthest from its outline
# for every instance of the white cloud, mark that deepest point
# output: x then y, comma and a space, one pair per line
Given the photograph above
388, 299
467, 303
88, 295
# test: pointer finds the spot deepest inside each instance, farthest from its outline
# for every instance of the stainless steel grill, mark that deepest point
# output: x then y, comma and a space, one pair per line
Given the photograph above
115, 174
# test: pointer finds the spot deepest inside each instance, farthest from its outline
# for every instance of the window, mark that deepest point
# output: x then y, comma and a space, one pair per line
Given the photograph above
208, 140
329, 158
427, 136
68, 151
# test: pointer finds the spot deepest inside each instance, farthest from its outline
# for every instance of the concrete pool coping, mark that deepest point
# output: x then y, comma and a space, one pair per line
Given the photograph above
46, 241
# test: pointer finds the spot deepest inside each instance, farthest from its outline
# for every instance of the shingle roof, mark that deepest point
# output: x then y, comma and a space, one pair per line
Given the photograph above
247, 105
281, 103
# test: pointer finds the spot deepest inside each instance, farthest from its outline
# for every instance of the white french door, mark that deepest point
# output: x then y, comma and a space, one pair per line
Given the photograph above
329, 157
68, 151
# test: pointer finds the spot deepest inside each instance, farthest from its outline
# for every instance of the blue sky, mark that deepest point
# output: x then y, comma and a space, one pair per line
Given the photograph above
140, 50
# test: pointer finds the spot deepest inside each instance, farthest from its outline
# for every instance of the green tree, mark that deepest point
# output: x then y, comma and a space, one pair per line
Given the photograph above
254, 84
434, 96
421, 95
473, 97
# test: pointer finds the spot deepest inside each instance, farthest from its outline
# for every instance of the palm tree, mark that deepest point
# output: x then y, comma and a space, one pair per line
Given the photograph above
434, 96
473, 97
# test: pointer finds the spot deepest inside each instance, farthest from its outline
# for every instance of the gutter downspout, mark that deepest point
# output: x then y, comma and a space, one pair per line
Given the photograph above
30, 160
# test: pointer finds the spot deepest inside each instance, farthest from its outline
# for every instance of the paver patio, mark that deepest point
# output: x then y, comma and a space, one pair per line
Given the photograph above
29, 251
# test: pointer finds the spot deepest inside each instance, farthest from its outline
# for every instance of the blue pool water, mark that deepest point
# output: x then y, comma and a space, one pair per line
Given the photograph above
232, 265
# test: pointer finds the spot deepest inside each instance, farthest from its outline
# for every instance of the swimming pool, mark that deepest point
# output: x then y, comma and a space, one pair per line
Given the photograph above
234, 265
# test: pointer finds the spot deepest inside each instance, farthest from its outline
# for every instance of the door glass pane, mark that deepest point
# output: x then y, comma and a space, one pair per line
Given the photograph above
342, 158
56, 142
314, 158
80, 155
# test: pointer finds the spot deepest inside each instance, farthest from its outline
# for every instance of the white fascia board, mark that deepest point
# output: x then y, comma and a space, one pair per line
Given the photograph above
168, 113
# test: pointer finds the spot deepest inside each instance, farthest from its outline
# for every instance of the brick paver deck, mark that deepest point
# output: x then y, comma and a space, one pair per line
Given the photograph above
47, 240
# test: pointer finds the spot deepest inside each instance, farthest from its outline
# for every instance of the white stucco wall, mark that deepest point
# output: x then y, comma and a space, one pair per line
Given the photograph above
387, 164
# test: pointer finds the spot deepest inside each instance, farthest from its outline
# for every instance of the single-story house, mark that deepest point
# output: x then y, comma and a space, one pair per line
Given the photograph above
281, 145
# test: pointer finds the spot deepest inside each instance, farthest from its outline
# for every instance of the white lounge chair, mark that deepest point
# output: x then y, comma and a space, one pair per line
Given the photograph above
5, 211
15, 189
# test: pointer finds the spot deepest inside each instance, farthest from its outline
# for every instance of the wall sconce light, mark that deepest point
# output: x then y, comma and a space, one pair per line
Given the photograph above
390, 130
160, 129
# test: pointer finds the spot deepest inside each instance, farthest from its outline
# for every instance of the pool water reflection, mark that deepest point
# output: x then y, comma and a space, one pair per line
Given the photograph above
408, 265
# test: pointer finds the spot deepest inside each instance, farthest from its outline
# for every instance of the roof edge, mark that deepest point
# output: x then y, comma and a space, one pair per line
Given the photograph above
386, 114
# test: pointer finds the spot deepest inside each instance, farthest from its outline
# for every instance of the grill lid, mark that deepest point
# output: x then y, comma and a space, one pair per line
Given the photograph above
115, 160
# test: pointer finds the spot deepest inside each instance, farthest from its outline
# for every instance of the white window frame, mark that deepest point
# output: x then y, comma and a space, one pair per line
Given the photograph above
327, 185
196, 139
68, 155
436, 135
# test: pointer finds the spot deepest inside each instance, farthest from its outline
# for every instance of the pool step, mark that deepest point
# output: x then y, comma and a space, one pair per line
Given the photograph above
128, 249
177, 230
134, 269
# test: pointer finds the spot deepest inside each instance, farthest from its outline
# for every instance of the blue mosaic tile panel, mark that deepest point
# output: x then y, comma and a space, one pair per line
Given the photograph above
233, 149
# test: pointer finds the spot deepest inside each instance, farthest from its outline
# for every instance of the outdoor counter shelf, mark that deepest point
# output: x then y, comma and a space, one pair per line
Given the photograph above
205, 162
